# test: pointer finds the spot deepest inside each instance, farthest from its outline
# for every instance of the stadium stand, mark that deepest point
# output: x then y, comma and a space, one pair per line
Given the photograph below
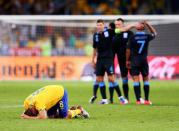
88, 7
60, 37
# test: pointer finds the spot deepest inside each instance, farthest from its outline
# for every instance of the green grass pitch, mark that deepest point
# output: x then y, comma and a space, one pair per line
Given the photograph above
163, 115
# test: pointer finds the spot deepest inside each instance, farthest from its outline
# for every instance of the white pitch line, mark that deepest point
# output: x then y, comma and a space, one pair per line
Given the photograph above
11, 100
11, 106
166, 106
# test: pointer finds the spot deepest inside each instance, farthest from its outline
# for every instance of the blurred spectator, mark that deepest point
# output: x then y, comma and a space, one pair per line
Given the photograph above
60, 43
72, 40
23, 37
4, 48
157, 6
46, 47
31, 43
87, 7
67, 40
88, 48
79, 44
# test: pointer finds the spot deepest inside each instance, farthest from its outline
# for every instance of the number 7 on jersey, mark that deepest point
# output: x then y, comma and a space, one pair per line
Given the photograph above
142, 42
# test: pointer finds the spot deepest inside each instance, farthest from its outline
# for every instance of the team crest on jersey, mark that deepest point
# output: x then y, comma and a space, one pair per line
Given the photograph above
125, 35
111, 69
106, 34
97, 40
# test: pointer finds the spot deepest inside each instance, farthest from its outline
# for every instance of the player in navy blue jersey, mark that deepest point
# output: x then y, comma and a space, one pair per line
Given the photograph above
119, 48
136, 58
102, 46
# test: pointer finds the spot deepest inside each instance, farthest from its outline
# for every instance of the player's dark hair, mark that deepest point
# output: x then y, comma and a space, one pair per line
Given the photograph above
112, 25
30, 112
100, 21
120, 19
143, 28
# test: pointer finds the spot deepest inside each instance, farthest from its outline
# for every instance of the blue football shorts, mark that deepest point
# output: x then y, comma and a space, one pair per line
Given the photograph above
61, 107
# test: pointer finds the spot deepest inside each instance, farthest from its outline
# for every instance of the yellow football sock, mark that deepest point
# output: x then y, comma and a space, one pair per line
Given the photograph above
75, 112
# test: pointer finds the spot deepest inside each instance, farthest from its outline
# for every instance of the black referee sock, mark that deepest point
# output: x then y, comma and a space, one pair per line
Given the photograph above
126, 90
95, 88
146, 90
102, 89
137, 90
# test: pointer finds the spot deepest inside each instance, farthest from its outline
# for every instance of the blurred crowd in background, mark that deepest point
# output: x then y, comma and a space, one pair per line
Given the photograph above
88, 7
53, 40
62, 40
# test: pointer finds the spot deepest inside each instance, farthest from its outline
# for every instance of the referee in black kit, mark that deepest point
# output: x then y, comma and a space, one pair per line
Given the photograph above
119, 48
136, 59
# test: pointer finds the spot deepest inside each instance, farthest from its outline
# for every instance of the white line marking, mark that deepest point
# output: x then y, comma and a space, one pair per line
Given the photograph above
11, 106
11, 100
166, 106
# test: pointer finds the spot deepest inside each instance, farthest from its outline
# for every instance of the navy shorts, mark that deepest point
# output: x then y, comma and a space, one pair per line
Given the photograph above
61, 107
104, 65
136, 70
139, 65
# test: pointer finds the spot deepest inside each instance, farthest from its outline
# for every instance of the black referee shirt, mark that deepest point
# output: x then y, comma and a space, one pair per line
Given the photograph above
120, 42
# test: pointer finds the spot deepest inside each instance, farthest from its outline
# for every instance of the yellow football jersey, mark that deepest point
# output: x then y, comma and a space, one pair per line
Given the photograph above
45, 98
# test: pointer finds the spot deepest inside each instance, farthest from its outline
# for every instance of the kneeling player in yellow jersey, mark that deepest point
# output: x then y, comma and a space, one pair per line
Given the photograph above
50, 102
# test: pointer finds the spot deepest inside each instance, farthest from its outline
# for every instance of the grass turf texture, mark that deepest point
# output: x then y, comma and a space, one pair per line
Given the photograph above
162, 115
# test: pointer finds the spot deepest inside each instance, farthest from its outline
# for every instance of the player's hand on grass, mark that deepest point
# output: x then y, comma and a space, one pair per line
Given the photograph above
128, 64
24, 116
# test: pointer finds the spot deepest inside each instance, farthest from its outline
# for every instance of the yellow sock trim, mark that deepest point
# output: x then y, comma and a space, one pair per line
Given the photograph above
78, 111
75, 112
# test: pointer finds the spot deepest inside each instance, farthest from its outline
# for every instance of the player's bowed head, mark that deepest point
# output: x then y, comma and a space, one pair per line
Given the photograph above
31, 112
140, 26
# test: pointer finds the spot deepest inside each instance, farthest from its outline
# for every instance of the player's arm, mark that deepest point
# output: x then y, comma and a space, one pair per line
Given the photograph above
124, 29
93, 57
53, 116
152, 30
94, 50
42, 115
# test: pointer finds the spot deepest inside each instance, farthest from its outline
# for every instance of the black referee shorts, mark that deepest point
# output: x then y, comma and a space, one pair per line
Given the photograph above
122, 65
